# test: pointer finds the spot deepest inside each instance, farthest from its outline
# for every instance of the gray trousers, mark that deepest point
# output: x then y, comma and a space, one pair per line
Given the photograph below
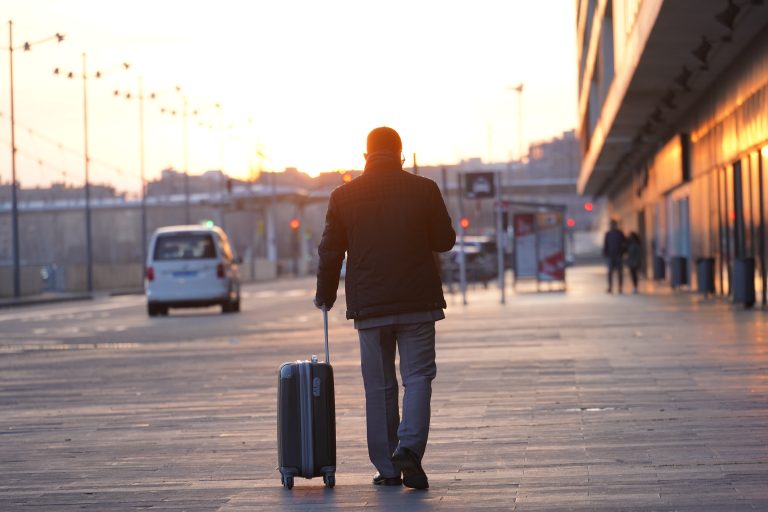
416, 345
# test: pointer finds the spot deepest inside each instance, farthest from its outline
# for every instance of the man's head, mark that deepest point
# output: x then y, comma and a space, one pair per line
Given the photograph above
383, 139
614, 224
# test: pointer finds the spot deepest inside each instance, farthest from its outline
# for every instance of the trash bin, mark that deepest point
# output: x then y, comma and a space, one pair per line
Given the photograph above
659, 268
679, 271
705, 275
744, 281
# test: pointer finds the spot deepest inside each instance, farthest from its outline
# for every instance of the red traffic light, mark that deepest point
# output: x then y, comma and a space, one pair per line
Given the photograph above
295, 223
464, 222
571, 223
588, 207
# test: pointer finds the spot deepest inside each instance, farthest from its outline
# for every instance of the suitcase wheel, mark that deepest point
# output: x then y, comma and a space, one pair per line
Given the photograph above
287, 481
329, 479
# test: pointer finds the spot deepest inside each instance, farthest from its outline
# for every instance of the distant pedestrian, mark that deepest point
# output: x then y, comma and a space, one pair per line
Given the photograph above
389, 222
613, 251
634, 257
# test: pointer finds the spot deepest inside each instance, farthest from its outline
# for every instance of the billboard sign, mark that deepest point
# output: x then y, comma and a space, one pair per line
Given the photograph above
525, 245
551, 249
479, 185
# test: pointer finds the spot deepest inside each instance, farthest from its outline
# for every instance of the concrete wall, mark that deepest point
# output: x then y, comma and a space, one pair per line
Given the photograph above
258, 269
30, 280
106, 277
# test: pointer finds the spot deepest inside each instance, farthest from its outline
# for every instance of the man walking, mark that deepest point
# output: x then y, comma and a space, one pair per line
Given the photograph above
613, 251
389, 222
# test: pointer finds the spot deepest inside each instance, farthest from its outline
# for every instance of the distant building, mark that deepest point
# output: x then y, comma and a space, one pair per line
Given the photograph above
172, 182
555, 158
57, 192
547, 176
673, 107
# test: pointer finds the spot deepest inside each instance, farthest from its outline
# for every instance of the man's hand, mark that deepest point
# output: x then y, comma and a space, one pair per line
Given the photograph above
319, 303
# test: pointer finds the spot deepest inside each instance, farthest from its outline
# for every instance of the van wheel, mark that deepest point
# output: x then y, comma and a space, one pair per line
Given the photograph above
152, 310
226, 307
236, 306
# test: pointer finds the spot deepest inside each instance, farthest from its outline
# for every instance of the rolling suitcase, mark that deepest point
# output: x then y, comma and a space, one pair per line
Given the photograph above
306, 419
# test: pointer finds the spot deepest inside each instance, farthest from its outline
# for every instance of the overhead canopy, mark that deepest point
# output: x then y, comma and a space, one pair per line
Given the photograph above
687, 50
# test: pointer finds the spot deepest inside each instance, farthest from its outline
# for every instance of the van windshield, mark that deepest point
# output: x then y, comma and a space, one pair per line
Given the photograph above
184, 246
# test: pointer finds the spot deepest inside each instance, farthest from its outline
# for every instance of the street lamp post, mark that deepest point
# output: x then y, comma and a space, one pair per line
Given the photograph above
519, 90
14, 185
14, 193
88, 247
140, 97
143, 179
187, 213
87, 160
185, 148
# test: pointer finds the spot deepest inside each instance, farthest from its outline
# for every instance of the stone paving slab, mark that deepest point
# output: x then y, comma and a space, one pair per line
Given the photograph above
559, 401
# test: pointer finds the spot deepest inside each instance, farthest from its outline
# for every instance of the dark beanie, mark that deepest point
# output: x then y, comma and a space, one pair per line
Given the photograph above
384, 139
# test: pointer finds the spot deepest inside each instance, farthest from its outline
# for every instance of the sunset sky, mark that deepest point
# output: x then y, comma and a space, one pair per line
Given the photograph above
301, 82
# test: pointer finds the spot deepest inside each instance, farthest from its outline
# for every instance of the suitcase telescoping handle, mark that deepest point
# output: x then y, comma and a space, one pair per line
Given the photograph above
325, 325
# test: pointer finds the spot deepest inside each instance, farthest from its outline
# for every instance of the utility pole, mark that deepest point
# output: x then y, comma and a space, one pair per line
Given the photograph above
14, 182
87, 161
14, 186
187, 214
462, 255
271, 220
143, 180
88, 248
221, 137
500, 237
519, 90
444, 179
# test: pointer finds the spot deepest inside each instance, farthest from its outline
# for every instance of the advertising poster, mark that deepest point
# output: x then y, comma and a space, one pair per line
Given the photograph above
551, 253
479, 185
525, 245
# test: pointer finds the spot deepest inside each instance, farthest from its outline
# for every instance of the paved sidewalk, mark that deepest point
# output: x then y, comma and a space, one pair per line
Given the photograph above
43, 298
555, 401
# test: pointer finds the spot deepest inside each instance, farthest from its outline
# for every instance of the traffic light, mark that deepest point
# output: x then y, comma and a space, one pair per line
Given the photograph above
571, 223
346, 177
295, 224
464, 223
588, 206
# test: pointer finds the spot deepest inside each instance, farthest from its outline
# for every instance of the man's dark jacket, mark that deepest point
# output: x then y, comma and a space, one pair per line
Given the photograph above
614, 244
389, 222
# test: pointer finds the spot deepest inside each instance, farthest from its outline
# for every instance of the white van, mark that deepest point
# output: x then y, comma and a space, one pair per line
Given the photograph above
191, 266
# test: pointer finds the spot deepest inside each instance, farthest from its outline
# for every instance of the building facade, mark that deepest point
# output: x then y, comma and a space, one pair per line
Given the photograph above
673, 110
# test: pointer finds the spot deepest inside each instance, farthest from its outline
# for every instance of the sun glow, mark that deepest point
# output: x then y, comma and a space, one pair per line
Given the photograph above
300, 83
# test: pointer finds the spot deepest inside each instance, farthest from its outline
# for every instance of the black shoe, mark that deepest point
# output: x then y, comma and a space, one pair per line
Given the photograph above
383, 480
407, 462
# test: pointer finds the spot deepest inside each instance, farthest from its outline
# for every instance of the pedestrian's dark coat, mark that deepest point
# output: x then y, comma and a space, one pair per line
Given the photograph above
634, 252
614, 244
389, 222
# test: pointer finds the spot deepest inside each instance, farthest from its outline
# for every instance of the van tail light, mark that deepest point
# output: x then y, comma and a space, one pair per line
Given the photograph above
150, 274
220, 271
